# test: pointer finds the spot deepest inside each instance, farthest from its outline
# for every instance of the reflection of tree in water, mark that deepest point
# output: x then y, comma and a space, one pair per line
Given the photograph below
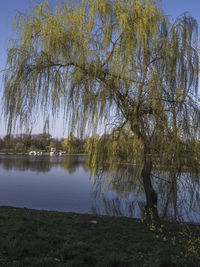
39, 164
179, 196
72, 163
123, 179
42, 163
120, 192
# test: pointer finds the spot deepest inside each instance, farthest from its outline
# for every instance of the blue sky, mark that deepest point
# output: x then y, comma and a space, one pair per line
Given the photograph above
8, 8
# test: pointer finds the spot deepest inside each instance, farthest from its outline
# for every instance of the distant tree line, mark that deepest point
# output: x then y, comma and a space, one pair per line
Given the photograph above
119, 145
41, 142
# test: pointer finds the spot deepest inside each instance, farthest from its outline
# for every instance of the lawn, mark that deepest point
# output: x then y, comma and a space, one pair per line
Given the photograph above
47, 238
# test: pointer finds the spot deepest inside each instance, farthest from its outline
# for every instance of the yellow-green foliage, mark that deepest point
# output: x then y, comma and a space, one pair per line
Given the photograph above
64, 144
70, 145
105, 59
190, 242
186, 240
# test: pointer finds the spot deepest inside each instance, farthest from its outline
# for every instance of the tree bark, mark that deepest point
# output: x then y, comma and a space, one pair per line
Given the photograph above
151, 195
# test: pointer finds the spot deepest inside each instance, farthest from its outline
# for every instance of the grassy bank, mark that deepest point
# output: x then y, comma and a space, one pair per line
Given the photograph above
46, 238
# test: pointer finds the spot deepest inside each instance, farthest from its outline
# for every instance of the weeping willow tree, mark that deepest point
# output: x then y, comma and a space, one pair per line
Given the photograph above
122, 63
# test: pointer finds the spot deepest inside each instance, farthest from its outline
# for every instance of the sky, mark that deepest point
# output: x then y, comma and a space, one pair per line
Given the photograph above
8, 9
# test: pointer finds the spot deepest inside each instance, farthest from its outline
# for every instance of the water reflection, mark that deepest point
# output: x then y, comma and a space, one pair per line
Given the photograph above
120, 190
40, 163
23, 163
179, 199
65, 183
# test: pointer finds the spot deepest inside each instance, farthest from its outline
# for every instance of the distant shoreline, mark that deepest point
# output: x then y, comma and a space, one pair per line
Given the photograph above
44, 154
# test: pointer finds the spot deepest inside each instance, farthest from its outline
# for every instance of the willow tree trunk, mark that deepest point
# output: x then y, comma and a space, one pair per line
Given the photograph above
151, 195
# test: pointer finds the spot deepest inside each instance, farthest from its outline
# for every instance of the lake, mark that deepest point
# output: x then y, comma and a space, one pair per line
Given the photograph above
65, 184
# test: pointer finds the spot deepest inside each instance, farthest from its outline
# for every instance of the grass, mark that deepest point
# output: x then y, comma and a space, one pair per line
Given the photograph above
47, 238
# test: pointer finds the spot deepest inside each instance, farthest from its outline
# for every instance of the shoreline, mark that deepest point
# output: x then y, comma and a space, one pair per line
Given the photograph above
100, 216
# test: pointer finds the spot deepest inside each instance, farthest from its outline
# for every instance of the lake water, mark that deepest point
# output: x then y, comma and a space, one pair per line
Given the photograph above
65, 184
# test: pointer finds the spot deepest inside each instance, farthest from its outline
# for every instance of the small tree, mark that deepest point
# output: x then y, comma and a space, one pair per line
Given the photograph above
72, 145
20, 146
108, 58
